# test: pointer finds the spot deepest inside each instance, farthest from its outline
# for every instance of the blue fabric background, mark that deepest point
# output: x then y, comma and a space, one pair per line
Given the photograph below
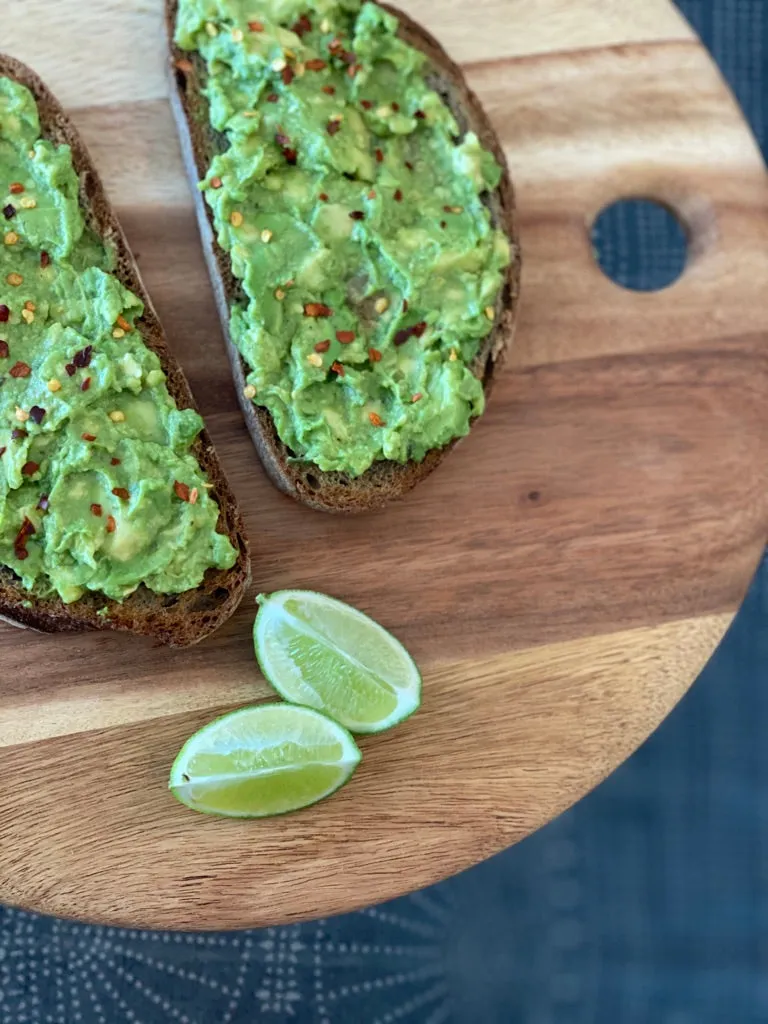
645, 904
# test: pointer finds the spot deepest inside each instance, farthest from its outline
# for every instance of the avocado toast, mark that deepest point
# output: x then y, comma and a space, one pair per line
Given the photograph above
114, 510
358, 222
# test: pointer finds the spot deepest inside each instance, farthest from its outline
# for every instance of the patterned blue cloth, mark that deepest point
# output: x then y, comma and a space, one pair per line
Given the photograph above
645, 904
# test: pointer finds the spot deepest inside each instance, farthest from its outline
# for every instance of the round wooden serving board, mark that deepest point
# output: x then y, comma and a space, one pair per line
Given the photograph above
561, 579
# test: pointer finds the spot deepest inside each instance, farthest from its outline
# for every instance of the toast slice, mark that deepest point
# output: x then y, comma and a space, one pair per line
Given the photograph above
175, 619
385, 480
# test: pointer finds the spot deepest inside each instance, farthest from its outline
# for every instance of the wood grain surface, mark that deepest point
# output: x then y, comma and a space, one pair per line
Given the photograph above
561, 579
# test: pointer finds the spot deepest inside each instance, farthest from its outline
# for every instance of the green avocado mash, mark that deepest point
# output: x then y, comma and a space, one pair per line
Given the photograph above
98, 487
352, 211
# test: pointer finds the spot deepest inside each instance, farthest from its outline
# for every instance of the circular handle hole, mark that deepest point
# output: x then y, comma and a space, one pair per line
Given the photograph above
640, 244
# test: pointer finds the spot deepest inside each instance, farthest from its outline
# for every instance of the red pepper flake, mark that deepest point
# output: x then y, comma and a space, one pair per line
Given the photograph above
3, 450
335, 44
18, 433
323, 346
4, 350
332, 127
43, 503
26, 529
96, 509
121, 492
287, 74
88, 437
114, 462
273, 97
315, 64
354, 69
71, 369
291, 156
30, 468
417, 397
5, 314
348, 57
82, 358
379, 156
20, 370
86, 384
416, 330
357, 215
323, 197
398, 196
45, 259
374, 355
337, 368
345, 337
15, 188
255, 26
36, 414
215, 182
330, 90
395, 107
376, 420
111, 524
317, 309
419, 115
409, 165
181, 490
366, 104
9, 211
302, 26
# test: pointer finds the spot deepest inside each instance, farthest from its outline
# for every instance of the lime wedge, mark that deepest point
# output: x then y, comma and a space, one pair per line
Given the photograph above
321, 653
263, 760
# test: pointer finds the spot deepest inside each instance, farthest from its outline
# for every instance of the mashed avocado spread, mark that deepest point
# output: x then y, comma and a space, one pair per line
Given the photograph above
351, 207
98, 487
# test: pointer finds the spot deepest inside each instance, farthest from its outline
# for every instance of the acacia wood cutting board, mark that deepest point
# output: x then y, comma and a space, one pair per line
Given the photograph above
561, 579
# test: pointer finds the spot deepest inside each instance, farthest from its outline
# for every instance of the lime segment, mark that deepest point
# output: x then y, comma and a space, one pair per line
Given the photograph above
321, 653
263, 760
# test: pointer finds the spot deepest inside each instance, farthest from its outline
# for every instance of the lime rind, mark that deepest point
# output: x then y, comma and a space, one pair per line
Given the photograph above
281, 670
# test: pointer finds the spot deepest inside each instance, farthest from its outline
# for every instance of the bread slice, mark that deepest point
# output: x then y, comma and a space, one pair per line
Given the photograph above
175, 619
385, 480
